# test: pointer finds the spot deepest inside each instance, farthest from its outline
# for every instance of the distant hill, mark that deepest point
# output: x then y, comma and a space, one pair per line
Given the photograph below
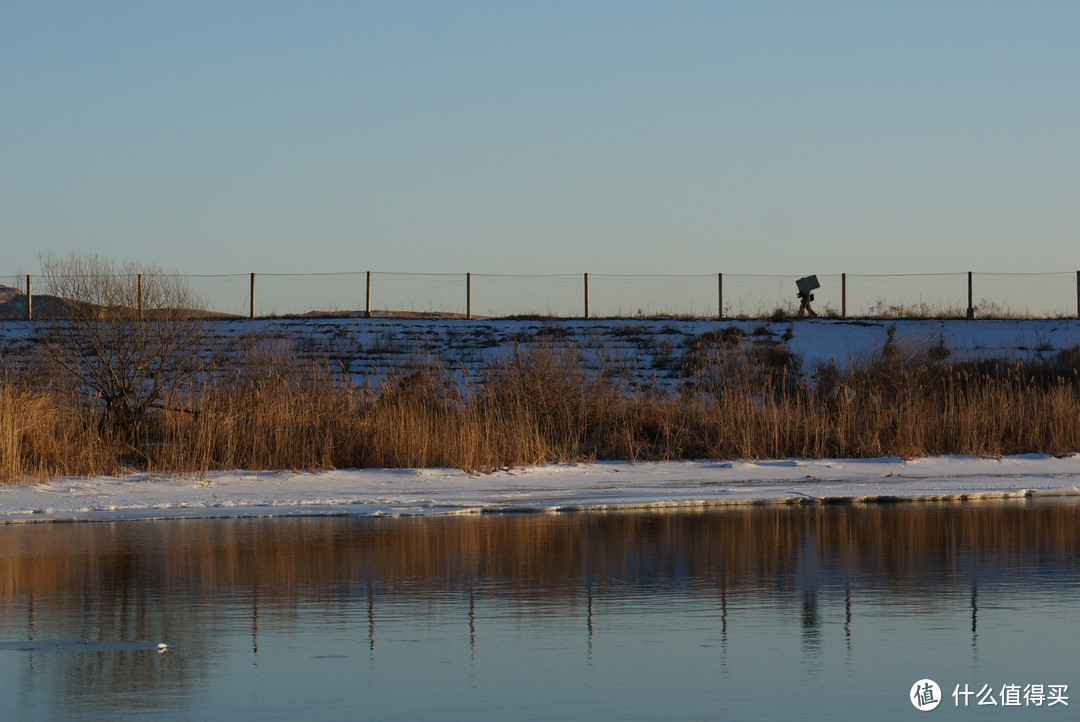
13, 307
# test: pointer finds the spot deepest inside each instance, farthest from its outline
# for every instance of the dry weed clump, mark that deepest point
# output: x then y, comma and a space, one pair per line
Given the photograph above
268, 411
44, 435
738, 401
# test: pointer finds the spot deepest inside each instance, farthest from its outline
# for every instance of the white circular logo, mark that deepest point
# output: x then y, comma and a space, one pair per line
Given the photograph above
925, 695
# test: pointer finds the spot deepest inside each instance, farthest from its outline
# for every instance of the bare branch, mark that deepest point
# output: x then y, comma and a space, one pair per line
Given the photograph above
130, 336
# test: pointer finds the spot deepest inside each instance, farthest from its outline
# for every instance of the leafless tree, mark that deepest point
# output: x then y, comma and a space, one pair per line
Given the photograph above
130, 336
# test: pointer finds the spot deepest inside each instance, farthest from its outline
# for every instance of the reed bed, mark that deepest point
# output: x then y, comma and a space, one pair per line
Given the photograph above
48, 434
736, 402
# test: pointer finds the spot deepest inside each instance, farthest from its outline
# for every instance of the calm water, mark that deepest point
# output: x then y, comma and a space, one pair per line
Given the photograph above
817, 612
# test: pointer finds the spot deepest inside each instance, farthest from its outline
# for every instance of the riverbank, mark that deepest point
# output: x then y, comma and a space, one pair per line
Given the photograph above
265, 398
561, 487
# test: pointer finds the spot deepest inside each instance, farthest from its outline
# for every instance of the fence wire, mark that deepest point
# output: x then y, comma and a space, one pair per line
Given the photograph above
943, 295
279, 294
418, 293
1044, 295
229, 295
623, 296
552, 295
933, 295
17, 283
753, 296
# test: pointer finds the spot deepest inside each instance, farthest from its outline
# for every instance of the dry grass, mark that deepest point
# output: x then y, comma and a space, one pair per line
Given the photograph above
739, 402
47, 434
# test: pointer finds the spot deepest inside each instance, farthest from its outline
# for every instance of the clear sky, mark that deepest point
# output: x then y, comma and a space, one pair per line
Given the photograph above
513, 136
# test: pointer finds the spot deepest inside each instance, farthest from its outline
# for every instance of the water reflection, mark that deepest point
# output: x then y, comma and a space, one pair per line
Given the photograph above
724, 591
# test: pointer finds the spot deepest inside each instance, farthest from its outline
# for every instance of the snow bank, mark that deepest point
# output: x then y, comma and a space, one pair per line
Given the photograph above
599, 486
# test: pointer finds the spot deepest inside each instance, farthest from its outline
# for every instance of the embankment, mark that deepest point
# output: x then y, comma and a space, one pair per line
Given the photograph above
481, 395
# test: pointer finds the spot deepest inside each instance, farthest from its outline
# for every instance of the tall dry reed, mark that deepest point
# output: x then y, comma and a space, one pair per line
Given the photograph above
271, 412
44, 435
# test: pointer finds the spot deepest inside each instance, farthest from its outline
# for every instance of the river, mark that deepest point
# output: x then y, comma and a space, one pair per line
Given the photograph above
757, 612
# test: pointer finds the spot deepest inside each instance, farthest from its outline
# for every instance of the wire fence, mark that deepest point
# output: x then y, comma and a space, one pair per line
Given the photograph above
715, 295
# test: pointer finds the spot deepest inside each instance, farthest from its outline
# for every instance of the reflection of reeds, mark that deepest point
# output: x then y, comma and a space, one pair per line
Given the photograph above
208, 584
738, 401
911, 549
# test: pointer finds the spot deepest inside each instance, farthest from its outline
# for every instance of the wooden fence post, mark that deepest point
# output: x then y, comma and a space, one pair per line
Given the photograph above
30, 298
251, 313
843, 295
586, 295
367, 297
468, 296
140, 296
720, 295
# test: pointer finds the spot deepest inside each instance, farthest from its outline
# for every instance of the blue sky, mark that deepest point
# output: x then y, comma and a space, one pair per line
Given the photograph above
542, 137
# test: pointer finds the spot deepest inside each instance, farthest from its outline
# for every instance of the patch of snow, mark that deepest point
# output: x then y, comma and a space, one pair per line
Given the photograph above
605, 485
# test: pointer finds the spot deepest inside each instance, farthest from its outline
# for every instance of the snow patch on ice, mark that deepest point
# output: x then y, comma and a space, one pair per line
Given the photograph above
602, 485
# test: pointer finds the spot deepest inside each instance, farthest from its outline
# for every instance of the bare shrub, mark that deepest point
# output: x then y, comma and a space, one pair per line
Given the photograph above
130, 338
